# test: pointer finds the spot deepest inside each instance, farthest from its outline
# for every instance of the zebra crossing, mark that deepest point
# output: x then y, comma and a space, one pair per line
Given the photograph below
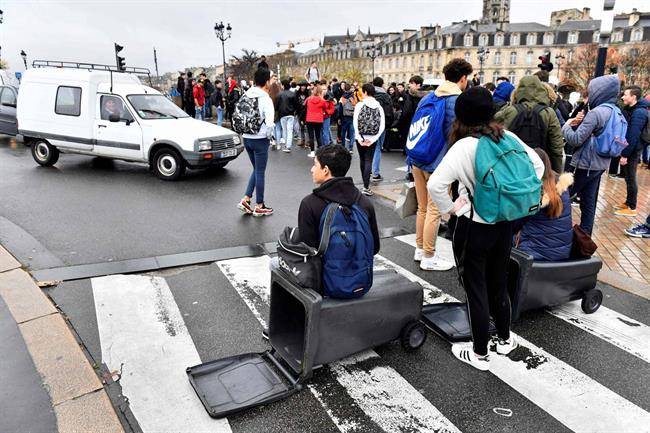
143, 335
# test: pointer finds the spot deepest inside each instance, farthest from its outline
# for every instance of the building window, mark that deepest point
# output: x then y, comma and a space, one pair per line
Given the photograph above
513, 58
483, 40
529, 58
514, 39
617, 36
421, 66
397, 63
426, 44
469, 40
529, 73
531, 39
495, 76
390, 63
569, 57
68, 101
498, 39
548, 38
430, 61
437, 75
438, 60
511, 77
596, 37
497, 58
573, 38
468, 56
637, 35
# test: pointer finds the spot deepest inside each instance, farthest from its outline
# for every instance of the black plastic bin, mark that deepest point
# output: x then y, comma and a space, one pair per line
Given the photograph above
531, 285
305, 331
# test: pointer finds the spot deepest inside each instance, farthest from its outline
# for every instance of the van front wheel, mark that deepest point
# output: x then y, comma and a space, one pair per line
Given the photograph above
44, 153
168, 164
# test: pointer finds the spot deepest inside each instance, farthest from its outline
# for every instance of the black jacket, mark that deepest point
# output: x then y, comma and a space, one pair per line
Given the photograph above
262, 65
339, 190
386, 103
287, 103
180, 85
411, 100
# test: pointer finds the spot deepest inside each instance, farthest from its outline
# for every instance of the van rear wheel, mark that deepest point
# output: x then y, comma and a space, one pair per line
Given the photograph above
44, 153
168, 164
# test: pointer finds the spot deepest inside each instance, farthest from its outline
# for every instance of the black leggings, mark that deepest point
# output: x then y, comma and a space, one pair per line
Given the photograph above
484, 272
315, 129
366, 154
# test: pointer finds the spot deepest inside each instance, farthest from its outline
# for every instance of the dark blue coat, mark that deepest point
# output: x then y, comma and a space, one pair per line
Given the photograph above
549, 239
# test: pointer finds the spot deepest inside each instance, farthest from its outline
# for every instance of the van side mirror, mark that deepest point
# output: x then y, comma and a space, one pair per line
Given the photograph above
114, 118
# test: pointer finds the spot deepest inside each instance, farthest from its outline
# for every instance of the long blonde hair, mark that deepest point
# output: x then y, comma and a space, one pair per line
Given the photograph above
549, 185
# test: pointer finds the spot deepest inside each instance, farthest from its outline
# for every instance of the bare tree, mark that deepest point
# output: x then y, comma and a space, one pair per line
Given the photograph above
244, 66
635, 66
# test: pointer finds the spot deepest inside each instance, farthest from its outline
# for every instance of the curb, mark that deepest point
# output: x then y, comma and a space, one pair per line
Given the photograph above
79, 400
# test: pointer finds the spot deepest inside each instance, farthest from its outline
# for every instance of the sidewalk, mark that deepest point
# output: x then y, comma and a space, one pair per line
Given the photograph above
50, 385
626, 260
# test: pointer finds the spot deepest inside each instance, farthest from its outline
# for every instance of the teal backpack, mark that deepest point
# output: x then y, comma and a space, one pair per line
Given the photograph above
507, 187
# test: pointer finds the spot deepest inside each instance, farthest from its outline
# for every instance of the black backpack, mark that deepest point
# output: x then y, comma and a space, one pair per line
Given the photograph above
369, 121
247, 119
529, 126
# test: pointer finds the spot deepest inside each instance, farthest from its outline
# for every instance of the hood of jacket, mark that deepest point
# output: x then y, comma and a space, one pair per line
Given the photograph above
371, 102
340, 190
603, 89
256, 92
530, 89
563, 183
503, 92
417, 93
448, 89
642, 103
380, 90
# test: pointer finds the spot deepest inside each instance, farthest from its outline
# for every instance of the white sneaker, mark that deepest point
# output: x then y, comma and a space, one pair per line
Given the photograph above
311, 154
435, 263
504, 347
286, 150
419, 254
465, 353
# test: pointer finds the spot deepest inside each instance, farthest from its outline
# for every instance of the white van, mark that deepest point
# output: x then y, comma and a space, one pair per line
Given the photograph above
113, 115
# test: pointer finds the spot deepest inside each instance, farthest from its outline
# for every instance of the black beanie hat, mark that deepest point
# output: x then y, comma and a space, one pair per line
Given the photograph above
475, 106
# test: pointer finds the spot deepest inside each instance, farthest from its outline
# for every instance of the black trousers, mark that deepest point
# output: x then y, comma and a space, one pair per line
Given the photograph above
315, 130
630, 180
366, 153
483, 267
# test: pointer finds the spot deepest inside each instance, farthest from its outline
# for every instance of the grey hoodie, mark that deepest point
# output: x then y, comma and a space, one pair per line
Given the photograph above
601, 90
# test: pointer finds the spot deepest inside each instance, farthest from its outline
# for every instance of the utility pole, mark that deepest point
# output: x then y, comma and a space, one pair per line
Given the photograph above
606, 24
373, 54
223, 33
482, 57
155, 61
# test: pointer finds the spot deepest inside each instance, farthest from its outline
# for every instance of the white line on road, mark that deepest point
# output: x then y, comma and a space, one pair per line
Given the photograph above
570, 396
443, 246
381, 393
143, 335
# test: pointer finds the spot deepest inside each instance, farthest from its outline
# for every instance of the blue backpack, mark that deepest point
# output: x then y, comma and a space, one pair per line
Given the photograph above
611, 140
347, 248
426, 139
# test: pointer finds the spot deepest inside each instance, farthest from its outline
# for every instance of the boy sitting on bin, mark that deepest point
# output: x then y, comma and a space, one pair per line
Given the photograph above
331, 164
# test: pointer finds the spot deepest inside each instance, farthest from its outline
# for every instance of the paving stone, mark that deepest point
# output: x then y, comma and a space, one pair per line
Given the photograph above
58, 358
23, 297
89, 413
7, 261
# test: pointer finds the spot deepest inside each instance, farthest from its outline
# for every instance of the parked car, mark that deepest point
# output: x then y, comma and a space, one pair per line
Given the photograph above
113, 115
8, 99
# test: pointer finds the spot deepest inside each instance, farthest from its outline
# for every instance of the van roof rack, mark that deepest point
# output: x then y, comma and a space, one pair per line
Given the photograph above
89, 66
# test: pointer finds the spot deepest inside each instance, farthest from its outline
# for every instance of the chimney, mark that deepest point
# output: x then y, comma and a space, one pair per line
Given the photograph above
634, 17
473, 26
558, 23
586, 13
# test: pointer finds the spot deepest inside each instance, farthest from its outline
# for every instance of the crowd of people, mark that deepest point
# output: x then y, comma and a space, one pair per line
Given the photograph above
568, 146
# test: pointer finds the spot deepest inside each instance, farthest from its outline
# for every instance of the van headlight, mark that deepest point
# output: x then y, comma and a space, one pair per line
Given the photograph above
205, 145
236, 139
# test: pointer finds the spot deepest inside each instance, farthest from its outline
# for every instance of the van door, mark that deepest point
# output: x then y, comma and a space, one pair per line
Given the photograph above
8, 111
117, 133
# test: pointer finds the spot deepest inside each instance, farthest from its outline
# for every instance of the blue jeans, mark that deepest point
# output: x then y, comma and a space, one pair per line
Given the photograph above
327, 133
585, 186
198, 113
219, 116
258, 153
286, 122
347, 130
376, 159
277, 132
645, 153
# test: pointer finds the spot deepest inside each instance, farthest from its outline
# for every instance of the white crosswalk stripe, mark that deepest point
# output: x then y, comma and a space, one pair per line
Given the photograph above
443, 246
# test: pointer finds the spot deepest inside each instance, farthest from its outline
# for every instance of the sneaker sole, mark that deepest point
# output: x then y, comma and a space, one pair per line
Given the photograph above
508, 352
242, 208
258, 215
635, 235
625, 215
478, 367
424, 268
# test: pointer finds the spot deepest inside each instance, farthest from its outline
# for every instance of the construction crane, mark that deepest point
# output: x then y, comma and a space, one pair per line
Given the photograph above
292, 44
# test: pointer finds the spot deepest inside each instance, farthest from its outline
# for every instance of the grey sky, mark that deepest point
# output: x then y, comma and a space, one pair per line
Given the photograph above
182, 31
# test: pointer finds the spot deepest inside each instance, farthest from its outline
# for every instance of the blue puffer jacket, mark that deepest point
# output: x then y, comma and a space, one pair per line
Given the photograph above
549, 239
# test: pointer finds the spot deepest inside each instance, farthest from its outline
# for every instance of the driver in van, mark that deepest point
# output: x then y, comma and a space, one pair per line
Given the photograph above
112, 105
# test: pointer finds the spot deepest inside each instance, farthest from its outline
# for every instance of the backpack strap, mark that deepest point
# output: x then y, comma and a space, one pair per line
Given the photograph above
325, 236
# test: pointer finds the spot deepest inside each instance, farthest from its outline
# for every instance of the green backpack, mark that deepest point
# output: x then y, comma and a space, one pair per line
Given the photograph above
507, 187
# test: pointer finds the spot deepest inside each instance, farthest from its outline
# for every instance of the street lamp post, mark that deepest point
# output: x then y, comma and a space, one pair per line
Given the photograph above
373, 54
223, 33
606, 25
482, 57
23, 54
558, 60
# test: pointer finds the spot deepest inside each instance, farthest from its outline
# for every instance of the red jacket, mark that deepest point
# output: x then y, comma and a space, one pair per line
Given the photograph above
329, 109
315, 109
199, 94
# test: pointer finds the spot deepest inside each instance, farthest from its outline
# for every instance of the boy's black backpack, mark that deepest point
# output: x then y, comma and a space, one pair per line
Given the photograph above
529, 126
247, 119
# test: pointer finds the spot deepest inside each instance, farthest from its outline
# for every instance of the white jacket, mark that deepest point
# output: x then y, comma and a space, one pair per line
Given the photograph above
371, 103
267, 111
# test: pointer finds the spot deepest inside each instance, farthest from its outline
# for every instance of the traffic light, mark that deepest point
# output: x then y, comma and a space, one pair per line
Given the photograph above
546, 64
121, 63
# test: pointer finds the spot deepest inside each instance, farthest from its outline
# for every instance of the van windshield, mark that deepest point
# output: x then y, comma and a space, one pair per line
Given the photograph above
155, 107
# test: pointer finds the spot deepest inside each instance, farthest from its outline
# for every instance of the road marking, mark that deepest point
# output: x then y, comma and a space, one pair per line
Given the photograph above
143, 335
570, 396
380, 392
443, 246
615, 328
403, 168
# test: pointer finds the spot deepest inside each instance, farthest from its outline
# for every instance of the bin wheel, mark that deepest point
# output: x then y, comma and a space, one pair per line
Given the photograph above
591, 301
413, 336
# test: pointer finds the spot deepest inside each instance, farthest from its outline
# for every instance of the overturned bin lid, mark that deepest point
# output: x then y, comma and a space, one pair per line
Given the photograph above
449, 320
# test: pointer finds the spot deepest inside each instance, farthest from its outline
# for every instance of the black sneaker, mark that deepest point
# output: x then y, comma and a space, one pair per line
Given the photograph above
376, 178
